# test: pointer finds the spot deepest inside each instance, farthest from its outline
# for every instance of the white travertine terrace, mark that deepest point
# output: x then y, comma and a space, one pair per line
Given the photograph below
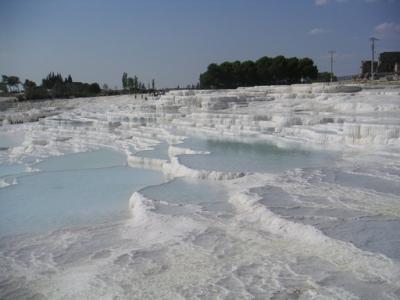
324, 232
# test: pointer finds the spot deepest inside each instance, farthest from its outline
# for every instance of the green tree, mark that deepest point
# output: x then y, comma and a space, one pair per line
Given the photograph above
28, 84
13, 83
68, 79
293, 70
94, 88
51, 80
263, 73
278, 69
130, 83
135, 83
212, 77
249, 73
237, 78
4, 84
266, 70
59, 90
125, 84
226, 73
307, 70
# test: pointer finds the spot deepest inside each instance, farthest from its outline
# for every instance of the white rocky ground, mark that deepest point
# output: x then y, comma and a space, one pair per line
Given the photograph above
327, 232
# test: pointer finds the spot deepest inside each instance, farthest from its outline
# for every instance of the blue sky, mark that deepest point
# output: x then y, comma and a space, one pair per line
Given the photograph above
173, 41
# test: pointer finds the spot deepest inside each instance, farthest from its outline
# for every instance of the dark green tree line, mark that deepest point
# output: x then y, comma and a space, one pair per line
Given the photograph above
264, 71
53, 86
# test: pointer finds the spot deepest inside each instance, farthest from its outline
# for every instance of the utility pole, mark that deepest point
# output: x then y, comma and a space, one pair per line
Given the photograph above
373, 56
332, 53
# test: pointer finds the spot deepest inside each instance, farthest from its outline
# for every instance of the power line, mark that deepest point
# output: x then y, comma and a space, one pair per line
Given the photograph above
372, 39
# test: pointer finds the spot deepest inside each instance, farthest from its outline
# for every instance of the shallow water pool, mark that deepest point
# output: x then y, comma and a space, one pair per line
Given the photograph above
160, 151
229, 156
72, 190
179, 194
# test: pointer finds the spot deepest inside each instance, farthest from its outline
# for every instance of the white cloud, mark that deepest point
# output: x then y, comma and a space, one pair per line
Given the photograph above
387, 30
326, 2
318, 31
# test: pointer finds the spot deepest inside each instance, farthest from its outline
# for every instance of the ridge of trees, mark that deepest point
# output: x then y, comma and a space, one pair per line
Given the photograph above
9, 84
264, 71
134, 85
53, 86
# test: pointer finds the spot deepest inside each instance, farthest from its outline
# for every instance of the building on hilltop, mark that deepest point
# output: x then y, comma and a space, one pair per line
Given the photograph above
366, 68
389, 62
387, 65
